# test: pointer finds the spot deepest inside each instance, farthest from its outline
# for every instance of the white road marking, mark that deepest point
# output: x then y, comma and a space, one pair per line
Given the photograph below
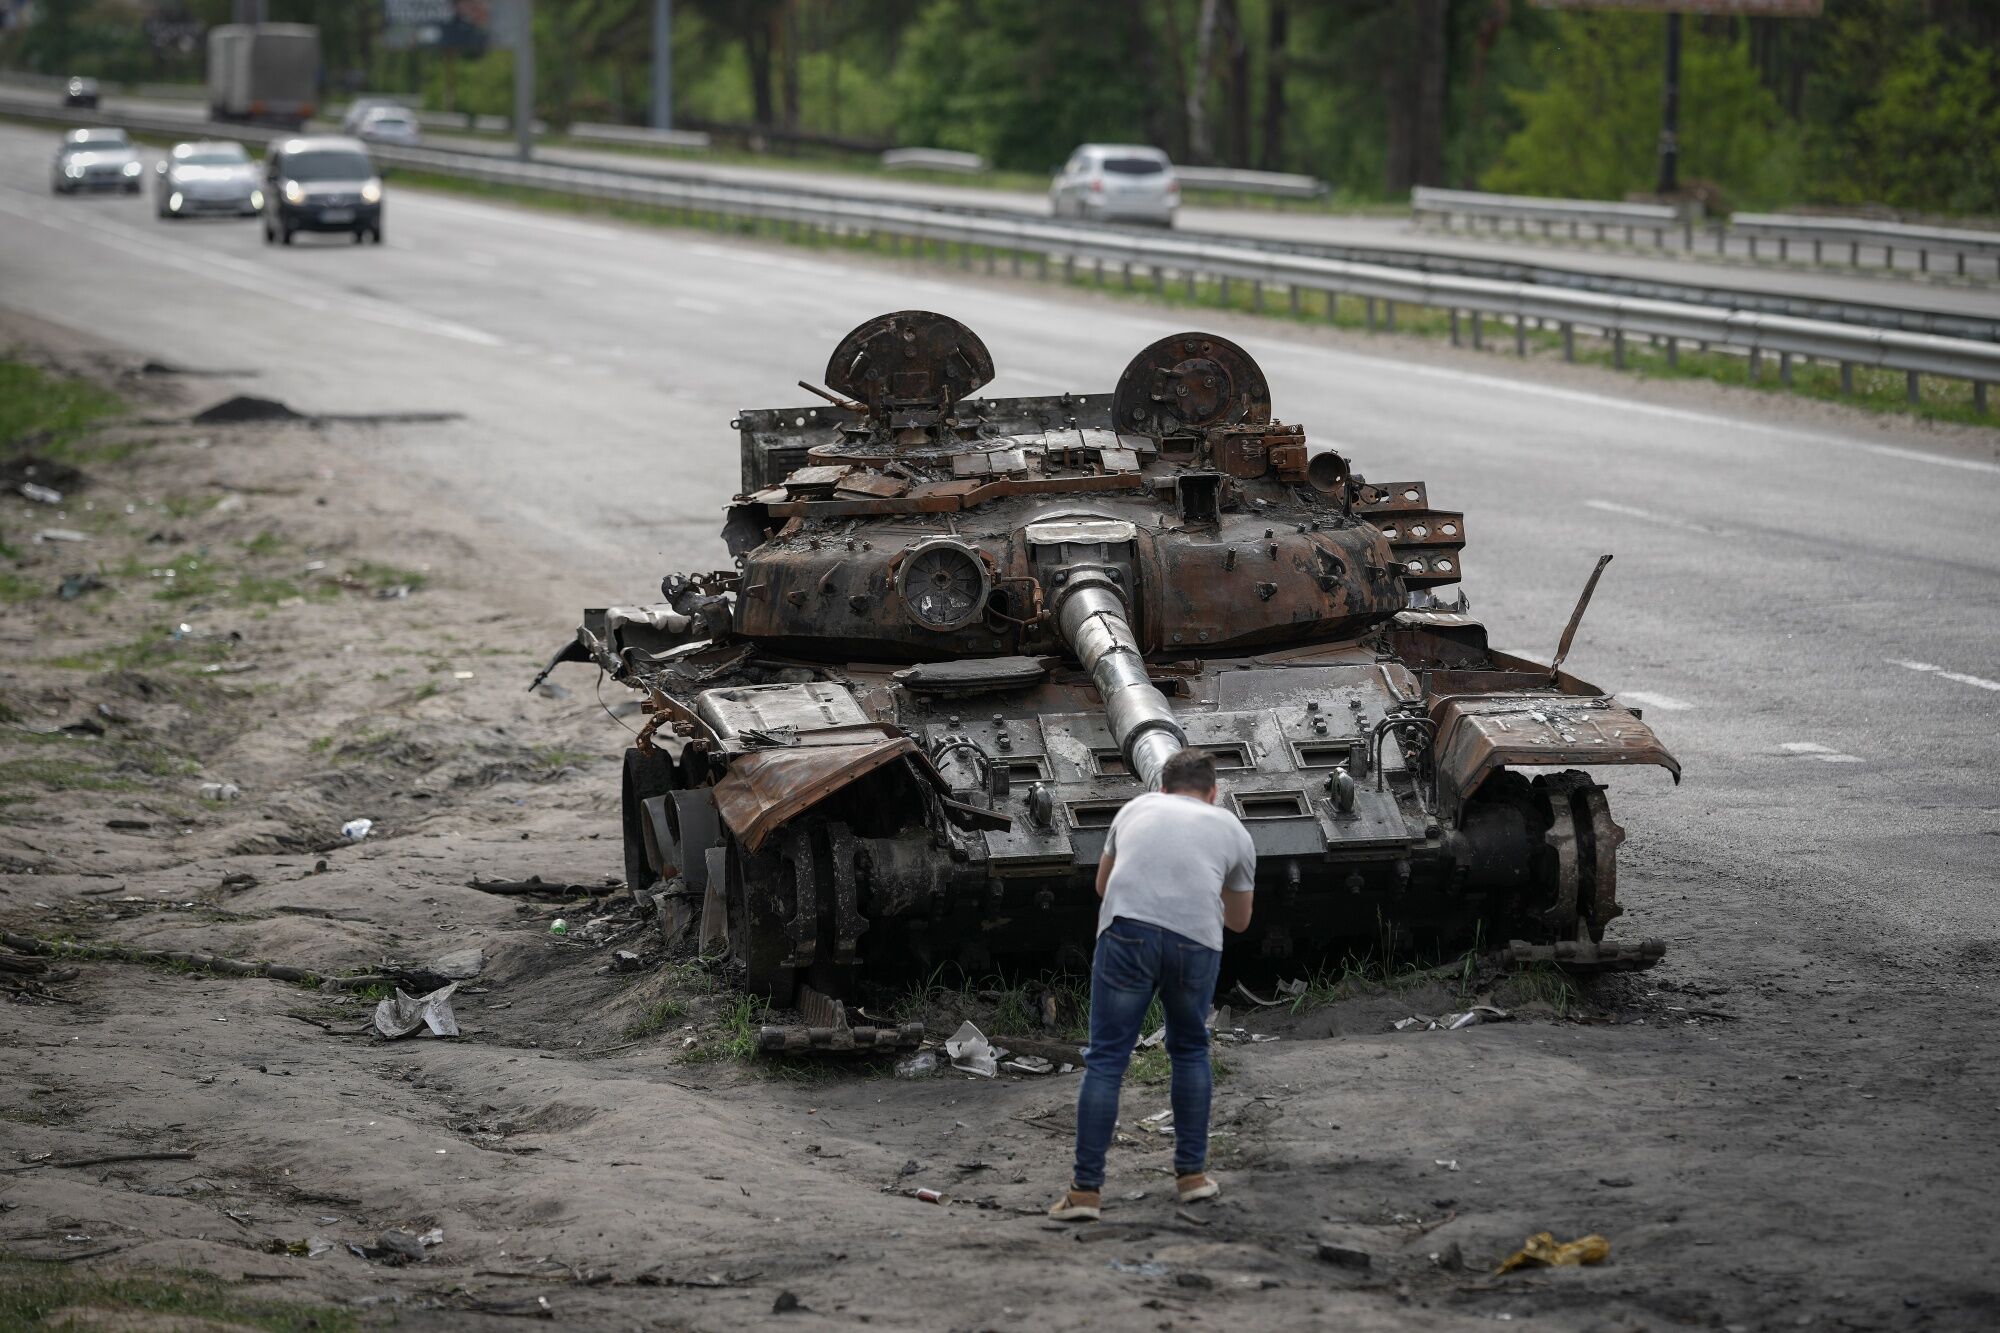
1932, 668
1647, 515
1824, 753
699, 306
1666, 703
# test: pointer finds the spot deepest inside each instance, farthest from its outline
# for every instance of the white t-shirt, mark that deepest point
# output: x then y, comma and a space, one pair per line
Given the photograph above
1174, 856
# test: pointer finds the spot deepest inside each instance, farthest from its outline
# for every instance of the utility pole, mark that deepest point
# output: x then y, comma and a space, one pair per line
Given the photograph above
524, 80
663, 64
1670, 117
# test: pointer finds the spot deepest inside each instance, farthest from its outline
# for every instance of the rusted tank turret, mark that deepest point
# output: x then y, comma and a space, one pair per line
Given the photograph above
959, 633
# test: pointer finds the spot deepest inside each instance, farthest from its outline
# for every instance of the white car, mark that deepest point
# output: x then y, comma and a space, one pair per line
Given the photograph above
359, 109
196, 178
1107, 182
95, 160
390, 125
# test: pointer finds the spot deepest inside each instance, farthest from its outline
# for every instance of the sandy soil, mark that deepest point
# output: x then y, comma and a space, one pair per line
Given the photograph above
1771, 1134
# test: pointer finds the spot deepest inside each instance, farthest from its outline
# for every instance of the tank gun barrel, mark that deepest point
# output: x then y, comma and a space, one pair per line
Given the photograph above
1092, 618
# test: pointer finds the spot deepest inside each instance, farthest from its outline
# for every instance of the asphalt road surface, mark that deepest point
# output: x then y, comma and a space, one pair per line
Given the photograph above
1901, 286
1808, 608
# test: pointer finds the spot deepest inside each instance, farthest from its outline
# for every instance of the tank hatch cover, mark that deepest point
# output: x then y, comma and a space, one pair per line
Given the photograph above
1188, 383
913, 361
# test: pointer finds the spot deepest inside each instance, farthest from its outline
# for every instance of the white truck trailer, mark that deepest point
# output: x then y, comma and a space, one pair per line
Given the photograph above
263, 72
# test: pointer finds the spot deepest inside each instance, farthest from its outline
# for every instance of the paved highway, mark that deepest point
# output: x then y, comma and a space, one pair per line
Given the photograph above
1902, 288
1809, 612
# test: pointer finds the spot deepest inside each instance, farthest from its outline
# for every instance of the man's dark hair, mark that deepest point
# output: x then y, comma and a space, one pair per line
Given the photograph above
1188, 771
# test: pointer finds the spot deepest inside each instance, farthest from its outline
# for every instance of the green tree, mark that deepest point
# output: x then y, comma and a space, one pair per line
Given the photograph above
1590, 128
1930, 138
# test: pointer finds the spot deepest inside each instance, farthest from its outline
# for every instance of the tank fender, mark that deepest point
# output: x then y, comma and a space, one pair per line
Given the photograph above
1478, 735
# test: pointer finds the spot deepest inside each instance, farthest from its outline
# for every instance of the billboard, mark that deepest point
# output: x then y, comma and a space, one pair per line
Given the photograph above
466, 27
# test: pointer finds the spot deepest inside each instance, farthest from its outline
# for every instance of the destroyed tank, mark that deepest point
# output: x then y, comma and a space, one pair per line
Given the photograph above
959, 633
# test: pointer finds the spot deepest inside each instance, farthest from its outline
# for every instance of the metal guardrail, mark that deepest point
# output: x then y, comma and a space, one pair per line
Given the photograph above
1859, 233
641, 136
931, 159
1426, 201
1194, 260
1228, 180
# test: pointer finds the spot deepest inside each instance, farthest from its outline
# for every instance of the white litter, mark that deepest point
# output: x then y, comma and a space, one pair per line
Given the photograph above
1448, 1163
41, 494
971, 1052
404, 1014
1160, 1122
354, 830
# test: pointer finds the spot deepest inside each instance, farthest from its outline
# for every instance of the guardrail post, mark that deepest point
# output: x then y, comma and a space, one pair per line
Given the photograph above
1069, 268
965, 254
1478, 331
1923, 260
1042, 265
1785, 369
1257, 295
1854, 254
1014, 262
1784, 249
1332, 306
1911, 388
1722, 238
1097, 271
1847, 379
1159, 279
1660, 236
1687, 234
1569, 342
1368, 304
1389, 316
1753, 245
1125, 273
1673, 354
1293, 289
1618, 349
1756, 364
1454, 326
1888, 256
1520, 336
1979, 397
1572, 229
1816, 249
1628, 233
1192, 285
1222, 288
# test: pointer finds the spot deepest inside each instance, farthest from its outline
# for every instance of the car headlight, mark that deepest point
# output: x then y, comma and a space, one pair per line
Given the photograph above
295, 193
256, 198
72, 170
132, 168
371, 192
174, 202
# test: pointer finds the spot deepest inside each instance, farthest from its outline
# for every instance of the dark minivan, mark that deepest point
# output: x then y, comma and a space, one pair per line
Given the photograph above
321, 183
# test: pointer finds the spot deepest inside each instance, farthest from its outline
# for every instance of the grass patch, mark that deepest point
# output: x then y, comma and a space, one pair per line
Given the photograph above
255, 588
658, 1017
33, 402
156, 647
46, 1295
1875, 390
735, 1039
186, 579
264, 543
379, 578
15, 589
60, 775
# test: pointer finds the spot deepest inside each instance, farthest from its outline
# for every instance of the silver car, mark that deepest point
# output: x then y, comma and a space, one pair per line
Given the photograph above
1104, 182
390, 125
95, 160
197, 179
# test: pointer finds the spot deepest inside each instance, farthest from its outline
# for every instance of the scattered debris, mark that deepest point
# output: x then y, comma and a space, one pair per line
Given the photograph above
1160, 1122
75, 586
624, 960
558, 927
1343, 1256
61, 535
534, 885
927, 1195
921, 1064
1615, 1182
404, 1014
1139, 1268
1543, 1250
1448, 1163
354, 830
244, 407
970, 1052
1030, 1064
1288, 992
787, 1303
47, 495
1451, 1258
220, 791
1477, 1014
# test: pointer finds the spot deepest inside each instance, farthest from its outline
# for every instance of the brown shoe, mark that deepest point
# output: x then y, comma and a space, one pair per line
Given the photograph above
1195, 1188
1076, 1206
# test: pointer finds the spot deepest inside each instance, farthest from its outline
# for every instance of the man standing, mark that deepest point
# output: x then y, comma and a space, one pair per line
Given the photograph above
1176, 869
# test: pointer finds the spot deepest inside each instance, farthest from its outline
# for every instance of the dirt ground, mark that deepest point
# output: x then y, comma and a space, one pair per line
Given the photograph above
1770, 1133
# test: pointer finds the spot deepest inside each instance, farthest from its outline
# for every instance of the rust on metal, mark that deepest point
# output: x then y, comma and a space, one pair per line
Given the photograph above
960, 633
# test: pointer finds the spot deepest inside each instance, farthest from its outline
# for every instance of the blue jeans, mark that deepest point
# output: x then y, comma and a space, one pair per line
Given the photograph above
1134, 962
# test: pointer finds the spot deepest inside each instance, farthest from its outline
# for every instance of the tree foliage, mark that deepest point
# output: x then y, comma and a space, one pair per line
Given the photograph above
1892, 102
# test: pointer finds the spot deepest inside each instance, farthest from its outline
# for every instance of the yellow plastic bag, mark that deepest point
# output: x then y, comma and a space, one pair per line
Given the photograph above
1543, 1250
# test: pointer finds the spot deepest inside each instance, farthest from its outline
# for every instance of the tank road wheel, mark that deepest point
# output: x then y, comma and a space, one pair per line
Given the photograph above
646, 775
768, 892
1583, 844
